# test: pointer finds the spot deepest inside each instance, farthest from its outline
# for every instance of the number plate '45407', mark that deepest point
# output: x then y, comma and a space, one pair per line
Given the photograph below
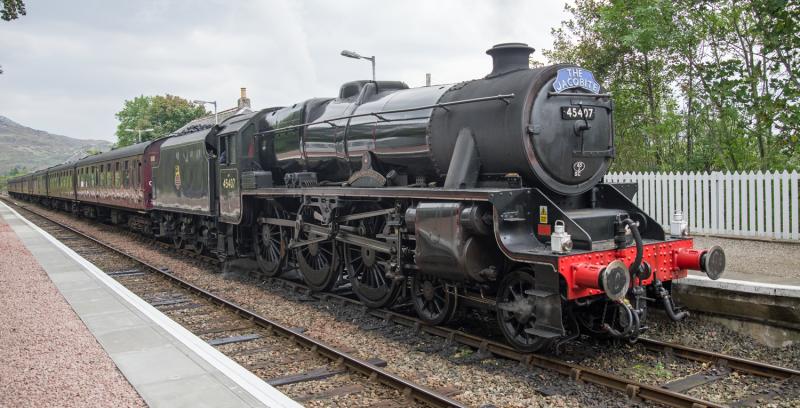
577, 113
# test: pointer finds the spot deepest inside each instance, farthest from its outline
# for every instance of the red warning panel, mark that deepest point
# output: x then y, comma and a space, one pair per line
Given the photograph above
544, 229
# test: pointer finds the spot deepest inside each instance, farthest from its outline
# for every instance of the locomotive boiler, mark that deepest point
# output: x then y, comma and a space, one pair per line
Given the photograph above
484, 194
510, 122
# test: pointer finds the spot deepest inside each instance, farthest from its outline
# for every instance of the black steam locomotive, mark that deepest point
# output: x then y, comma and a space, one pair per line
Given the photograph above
484, 194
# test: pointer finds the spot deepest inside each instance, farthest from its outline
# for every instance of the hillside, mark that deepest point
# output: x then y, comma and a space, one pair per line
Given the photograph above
21, 146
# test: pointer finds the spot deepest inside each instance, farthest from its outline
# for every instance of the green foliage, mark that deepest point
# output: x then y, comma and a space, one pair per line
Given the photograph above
697, 85
12, 9
163, 114
16, 171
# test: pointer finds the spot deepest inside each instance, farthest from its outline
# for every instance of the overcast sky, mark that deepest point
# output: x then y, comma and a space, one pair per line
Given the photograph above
69, 65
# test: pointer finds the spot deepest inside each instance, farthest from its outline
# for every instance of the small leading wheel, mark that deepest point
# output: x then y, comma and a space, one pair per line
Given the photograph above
318, 262
516, 311
367, 268
270, 248
431, 300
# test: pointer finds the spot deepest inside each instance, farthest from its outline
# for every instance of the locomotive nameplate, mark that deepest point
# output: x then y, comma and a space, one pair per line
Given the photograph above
571, 78
577, 113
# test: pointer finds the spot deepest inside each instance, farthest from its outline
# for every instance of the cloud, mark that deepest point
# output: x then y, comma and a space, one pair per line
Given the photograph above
70, 65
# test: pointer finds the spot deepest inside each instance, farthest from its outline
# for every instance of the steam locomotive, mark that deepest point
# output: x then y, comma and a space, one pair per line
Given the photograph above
483, 194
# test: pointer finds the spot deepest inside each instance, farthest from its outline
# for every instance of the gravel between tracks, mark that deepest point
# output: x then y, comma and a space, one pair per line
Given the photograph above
49, 358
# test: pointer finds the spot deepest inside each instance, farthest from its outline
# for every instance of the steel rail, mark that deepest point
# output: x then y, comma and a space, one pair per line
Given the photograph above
735, 363
408, 388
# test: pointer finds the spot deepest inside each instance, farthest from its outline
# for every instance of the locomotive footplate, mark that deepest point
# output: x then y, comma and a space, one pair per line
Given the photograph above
470, 194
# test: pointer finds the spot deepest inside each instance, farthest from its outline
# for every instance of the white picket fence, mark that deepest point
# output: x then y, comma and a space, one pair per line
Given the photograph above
747, 204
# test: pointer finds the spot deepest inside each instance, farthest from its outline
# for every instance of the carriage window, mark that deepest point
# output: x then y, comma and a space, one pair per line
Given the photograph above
126, 174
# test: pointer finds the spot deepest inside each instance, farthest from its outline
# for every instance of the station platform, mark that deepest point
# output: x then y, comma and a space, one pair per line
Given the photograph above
761, 284
164, 363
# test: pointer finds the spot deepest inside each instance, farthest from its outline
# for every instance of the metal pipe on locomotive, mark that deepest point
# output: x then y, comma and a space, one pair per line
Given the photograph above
485, 194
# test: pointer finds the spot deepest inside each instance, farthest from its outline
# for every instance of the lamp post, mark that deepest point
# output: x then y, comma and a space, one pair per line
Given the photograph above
139, 133
199, 102
353, 54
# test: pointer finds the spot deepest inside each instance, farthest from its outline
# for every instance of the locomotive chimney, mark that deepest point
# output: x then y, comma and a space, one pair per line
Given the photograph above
509, 57
244, 101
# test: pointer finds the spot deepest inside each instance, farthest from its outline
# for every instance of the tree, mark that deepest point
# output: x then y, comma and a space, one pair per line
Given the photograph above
627, 44
164, 114
16, 171
697, 84
12, 9
753, 66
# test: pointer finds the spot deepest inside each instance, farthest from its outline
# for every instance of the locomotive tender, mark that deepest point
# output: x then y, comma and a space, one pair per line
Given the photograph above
484, 194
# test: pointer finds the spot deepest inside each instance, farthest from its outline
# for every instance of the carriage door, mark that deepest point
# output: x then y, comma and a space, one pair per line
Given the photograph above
230, 201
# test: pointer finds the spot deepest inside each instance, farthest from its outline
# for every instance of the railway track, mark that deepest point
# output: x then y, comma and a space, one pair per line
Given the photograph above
673, 393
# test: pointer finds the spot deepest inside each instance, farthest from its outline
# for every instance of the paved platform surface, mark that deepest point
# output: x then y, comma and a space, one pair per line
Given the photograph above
166, 364
758, 261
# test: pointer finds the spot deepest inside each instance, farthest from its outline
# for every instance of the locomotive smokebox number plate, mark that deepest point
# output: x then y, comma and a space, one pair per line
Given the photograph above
577, 113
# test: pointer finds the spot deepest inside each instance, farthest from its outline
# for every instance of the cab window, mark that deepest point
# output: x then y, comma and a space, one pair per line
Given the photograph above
227, 150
